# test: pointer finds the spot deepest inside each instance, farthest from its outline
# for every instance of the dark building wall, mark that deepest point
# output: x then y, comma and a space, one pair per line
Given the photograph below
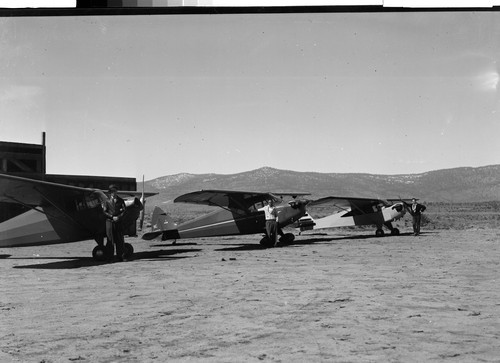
17, 158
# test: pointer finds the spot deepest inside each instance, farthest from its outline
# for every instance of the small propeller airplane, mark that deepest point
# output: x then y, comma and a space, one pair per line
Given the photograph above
356, 212
240, 213
42, 213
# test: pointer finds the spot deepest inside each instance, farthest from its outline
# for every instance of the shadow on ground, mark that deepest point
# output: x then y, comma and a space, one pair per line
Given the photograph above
175, 244
303, 240
79, 262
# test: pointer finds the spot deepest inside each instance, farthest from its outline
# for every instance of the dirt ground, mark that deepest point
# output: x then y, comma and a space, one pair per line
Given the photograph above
331, 297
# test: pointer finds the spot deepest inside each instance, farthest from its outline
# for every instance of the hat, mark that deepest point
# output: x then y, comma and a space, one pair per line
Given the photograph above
112, 187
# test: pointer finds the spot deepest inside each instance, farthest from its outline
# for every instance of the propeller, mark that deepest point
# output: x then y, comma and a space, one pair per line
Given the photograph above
398, 207
297, 203
406, 205
143, 201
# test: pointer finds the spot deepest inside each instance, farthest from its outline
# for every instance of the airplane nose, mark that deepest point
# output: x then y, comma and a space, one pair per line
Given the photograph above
398, 207
296, 204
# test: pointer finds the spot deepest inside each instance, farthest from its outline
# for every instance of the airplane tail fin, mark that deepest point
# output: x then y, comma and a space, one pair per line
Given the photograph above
161, 224
161, 221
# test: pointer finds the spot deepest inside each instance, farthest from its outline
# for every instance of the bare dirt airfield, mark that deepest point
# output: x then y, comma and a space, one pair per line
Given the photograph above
340, 296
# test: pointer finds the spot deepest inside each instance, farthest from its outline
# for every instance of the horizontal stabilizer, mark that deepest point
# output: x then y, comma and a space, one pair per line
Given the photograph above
168, 234
148, 236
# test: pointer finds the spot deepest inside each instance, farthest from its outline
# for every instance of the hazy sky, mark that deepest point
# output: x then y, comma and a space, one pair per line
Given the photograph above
381, 93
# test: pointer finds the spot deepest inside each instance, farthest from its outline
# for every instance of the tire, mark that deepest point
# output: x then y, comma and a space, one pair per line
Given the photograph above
265, 242
379, 232
128, 250
99, 253
395, 232
287, 238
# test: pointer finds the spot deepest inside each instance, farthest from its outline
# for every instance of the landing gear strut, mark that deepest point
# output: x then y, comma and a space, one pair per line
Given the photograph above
285, 238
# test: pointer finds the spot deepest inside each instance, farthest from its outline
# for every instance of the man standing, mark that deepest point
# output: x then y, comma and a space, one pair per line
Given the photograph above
114, 209
271, 222
416, 212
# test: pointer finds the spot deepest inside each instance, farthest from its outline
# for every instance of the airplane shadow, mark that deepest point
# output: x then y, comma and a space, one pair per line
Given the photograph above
175, 244
79, 262
386, 238
317, 238
257, 246
243, 247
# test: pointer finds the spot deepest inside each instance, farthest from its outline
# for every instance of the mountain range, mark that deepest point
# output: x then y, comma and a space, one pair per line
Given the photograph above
463, 184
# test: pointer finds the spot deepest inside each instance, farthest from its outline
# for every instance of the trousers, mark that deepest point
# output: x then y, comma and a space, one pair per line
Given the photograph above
272, 230
416, 223
114, 233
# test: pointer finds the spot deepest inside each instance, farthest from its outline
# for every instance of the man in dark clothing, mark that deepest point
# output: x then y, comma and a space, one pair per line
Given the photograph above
114, 209
416, 210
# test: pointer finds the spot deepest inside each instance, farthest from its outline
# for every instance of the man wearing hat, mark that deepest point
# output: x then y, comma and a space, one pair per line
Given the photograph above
416, 210
114, 209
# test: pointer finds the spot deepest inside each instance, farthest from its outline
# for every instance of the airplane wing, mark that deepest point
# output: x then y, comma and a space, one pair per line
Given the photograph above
32, 192
231, 199
135, 194
406, 201
224, 198
351, 206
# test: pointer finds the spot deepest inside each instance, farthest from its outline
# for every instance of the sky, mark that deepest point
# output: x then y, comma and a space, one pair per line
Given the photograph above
156, 95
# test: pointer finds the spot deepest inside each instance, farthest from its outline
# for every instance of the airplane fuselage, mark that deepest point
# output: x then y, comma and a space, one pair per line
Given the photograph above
226, 222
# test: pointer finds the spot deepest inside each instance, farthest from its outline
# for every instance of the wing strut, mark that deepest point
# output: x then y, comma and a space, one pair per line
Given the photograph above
237, 211
44, 212
62, 211
27, 205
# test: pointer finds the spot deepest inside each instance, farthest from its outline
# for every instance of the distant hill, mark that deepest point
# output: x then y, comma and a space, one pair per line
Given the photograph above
463, 184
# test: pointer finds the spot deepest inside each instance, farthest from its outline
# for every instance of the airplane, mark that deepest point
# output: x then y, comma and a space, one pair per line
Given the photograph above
37, 212
356, 212
240, 213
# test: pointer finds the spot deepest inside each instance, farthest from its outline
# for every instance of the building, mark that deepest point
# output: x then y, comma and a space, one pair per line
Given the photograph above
28, 160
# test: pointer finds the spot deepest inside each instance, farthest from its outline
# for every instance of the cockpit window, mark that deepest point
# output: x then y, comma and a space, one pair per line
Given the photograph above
87, 202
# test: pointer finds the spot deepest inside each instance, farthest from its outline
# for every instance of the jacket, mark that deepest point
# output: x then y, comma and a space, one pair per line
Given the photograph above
419, 208
114, 208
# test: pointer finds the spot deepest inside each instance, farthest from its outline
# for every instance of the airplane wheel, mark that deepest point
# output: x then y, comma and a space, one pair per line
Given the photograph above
128, 250
379, 232
395, 232
265, 242
99, 253
287, 238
